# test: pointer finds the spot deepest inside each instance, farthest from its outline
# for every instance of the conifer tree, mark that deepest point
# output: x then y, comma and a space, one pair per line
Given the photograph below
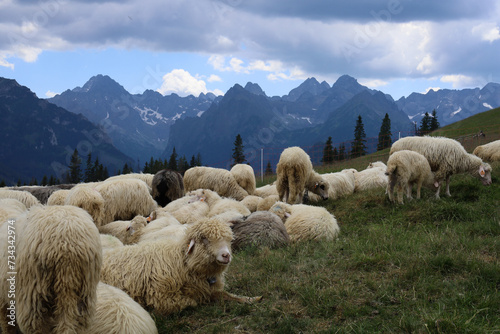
44, 181
192, 162
385, 135
425, 125
89, 169
328, 152
2, 184
342, 154
172, 162
434, 123
182, 164
18, 182
358, 146
335, 154
238, 155
52, 180
75, 172
269, 169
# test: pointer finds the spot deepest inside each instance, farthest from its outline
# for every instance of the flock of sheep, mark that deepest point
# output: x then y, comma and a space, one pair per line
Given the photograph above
100, 257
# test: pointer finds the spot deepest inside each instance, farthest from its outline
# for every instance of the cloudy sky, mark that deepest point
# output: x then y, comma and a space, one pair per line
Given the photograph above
189, 47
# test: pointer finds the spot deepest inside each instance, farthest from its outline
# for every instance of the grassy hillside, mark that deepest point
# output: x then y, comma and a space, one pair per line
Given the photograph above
429, 266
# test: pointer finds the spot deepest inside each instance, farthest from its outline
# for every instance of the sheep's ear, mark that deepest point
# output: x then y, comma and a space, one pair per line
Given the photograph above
190, 248
128, 228
287, 215
436, 184
482, 172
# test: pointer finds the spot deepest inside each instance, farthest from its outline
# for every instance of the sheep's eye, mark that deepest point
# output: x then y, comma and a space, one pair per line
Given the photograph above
205, 241
322, 187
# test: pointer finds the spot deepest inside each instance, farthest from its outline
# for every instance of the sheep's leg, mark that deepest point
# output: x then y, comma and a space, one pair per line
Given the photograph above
400, 191
295, 186
389, 191
448, 185
409, 188
224, 295
419, 185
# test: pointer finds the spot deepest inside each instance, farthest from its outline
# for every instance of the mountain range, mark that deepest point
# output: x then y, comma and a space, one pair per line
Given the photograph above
135, 127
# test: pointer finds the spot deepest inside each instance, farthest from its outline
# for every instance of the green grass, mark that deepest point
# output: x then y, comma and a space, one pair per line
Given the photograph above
429, 266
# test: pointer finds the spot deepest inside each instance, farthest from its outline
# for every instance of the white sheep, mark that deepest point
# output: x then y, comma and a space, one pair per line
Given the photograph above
58, 197
488, 152
117, 313
191, 212
170, 276
89, 199
341, 184
305, 222
145, 177
245, 176
126, 231
267, 202
370, 178
58, 263
109, 241
24, 197
405, 168
228, 204
125, 198
446, 157
251, 202
10, 208
295, 174
159, 220
216, 179
266, 190
376, 164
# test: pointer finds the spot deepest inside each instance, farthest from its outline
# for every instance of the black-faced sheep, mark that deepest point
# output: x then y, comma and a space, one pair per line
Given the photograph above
216, 179
488, 152
245, 176
446, 157
405, 168
295, 174
261, 228
170, 276
58, 262
125, 198
167, 186
305, 222
117, 313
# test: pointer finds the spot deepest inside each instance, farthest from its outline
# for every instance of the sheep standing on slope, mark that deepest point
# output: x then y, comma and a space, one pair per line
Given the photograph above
216, 179
170, 276
58, 262
245, 176
488, 152
167, 186
405, 168
295, 174
446, 157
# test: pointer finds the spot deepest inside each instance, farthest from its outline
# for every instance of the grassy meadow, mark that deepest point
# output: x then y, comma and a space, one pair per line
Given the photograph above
428, 266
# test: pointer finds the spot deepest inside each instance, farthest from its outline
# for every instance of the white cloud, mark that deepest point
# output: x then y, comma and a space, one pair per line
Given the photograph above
219, 63
432, 88
425, 65
182, 83
372, 83
459, 80
487, 32
214, 78
5, 63
50, 94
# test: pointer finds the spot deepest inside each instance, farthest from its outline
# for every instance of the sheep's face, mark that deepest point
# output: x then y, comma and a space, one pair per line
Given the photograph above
321, 189
485, 174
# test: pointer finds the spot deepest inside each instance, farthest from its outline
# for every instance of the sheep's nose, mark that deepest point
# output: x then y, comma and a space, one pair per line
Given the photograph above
226, 257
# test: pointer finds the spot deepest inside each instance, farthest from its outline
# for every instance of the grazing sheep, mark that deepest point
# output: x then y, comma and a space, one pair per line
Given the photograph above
267, 202
261, 228
245, 176
22, 196
216, 179
125, 230
90, 200
251, 202
267, 190
10, 208
145, 177
446, 157
125, 198
167, 187
58, 262
170, 276
341, 184
117, 313
228, 204
305, 222
405, 168
58, 197
42, 193
488, 152
295, 174
370, 178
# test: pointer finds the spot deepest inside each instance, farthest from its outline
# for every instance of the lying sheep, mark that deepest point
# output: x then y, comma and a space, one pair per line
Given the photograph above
267, 202
446, 157
58, 197
305, 222
22, 196
267, 190
158, 221
42, 193
488, 152
191, 212
376, 164
125, 230
228, 204
295, 174
170, 276
125, 198
10, 208
216, 179
245, 176
251, 202
370, 178
117, 313
405, 168
58, 262
167, 186
90, 200
261, 228
341, 184
109, 241
145, 177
